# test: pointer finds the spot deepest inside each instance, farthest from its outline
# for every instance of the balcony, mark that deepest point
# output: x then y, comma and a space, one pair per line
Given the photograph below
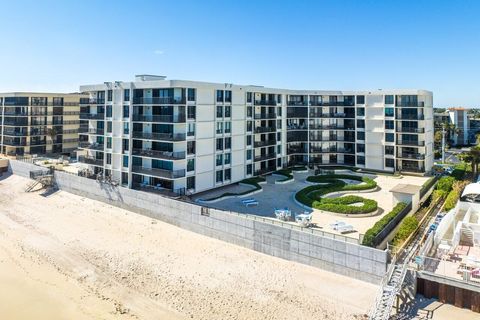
410, 117
15, 121
92, 116
411, 169
159, 136
414, 156
265, 115
160, 191
258, 144
293, 127
349, 103
91, 131
297, 103
92, 146
167, 155
91, 160
265, 171
265, 129
413, 104
159, 118
293, 149
265, 102
411, 130
297, 112
8, 142
263, 157
161, 173
411, 143
15, 133
159, 100
329, 127
91, 101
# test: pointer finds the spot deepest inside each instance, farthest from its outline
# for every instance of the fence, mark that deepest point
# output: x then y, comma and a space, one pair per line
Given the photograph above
428, 185
320, 249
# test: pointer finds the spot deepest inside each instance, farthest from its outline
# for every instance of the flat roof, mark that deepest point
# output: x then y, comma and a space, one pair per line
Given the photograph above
406, 188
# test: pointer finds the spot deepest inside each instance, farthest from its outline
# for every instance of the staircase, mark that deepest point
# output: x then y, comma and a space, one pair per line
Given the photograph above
466, 237
45, 178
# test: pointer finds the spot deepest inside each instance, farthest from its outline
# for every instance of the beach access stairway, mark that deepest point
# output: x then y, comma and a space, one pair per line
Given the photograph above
40, 177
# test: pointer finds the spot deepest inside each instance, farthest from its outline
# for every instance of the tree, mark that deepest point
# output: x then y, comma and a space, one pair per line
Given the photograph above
52, 133
473, 157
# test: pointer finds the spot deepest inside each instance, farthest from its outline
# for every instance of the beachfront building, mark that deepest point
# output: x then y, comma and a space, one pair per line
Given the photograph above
33, 123
187, 136
460, 126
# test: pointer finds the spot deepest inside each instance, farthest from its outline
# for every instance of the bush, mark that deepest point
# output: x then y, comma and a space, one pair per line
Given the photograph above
254, 181
369, 238
408, 226
343, 205
438, 194
445, 184
287, 173
459, 171
451, 200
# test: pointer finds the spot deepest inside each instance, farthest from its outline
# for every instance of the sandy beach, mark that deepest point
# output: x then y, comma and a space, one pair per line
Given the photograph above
68, 257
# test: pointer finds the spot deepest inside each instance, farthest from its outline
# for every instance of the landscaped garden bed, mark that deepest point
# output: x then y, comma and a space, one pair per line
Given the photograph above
254, 182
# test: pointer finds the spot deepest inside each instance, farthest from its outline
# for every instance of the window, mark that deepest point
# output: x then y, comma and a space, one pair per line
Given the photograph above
219, 95
249, 126
279, 136
228, 158
279, 98
228, 174
279, 149
361, 124
360, 148
190, 147
109, 142
389, 99
390, 163
126, 95
191, 129
219, 127
389, 150
126, 111
389, 124
279, 162
360, 160
389, 137
56, 101
125, 178
109, 158
191, 183
191, 112
228, 96
360, 99
125, 161
219, 159
219, 143
191, 94
125, 145
126, 129
219, 111
360, 135
360, 112
228, 111
249, 112
228, 127
109, 126
219, 176
249, 97
389, 112
279, 111
249, 169
109, 111
228, 143
249, 140
190, 165
109, 95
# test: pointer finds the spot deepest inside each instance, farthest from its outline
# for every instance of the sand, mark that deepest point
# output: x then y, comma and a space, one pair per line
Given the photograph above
68, 257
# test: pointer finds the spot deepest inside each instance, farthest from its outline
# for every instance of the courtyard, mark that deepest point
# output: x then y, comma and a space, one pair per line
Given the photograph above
283, 196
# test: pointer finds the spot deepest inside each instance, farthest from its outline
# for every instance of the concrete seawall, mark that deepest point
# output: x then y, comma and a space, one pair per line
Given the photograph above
259, 234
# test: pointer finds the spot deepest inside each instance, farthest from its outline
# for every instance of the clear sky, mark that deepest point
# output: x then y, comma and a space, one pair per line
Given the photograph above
59, 45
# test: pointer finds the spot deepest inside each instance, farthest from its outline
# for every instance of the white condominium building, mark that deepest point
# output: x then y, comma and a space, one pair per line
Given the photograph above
188, 136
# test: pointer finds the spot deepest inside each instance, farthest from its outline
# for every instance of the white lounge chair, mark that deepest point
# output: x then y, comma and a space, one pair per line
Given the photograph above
249, 202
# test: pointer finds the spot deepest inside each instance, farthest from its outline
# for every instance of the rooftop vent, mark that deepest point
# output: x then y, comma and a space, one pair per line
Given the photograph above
148, 77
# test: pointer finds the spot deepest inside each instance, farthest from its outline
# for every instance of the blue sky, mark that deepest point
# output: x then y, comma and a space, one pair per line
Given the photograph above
59, 45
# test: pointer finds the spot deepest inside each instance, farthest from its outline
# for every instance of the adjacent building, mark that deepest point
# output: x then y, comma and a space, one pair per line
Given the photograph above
38, 123
459, 125
187, 136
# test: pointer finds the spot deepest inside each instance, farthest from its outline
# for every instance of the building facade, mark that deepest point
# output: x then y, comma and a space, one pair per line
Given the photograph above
39, 123
187, 136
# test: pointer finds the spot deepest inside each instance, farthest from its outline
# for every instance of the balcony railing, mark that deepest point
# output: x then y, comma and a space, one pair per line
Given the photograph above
162, 173
291, 150
91, 160
297, 127
93, 146
411, 169
265, 171
265, 129
265, 115
265, 102
411, 143
91, 130
258, 144
411, 130
415, 156
159, 136
159, 100
329, 127
419, 104
167, 155
159, 118
91, 101
297, 103
15, 133
265, 156
92, 116
332, 103
410, 117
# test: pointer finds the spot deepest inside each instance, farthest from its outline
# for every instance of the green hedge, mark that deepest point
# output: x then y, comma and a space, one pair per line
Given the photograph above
451, 200
299, 168
445, 184
382, 223
287, 173
254, 181
459, 171
408, 226
311, 195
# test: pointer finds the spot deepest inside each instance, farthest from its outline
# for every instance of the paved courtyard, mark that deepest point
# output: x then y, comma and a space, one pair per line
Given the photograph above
282, 195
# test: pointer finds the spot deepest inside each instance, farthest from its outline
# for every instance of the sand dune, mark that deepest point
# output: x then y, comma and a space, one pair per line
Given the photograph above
67, 257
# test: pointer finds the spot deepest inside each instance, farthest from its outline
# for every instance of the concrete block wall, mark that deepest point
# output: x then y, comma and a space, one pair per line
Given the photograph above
349, 259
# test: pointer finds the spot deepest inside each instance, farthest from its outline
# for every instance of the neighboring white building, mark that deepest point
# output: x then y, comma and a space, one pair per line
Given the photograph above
193, 136
459, 117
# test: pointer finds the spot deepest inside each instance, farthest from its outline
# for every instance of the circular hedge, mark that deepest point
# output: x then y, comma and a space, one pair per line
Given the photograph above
312, 195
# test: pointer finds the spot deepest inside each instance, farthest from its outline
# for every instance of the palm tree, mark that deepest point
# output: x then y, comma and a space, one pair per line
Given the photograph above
473, 156
52, 133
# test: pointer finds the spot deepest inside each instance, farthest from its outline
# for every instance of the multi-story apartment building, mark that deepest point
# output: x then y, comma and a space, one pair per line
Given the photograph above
460, 127
38, 123
192, 136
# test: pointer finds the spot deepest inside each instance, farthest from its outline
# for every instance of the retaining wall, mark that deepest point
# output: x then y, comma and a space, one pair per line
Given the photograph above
263, 235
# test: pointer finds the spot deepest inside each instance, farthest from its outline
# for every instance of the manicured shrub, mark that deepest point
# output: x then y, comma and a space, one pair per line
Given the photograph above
254, 181
369, 237
451, 200
445, 184
343, 205
408, 226
287, 173
438, 194
459, 171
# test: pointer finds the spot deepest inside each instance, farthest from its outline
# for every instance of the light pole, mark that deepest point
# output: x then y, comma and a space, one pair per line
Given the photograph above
443, 143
